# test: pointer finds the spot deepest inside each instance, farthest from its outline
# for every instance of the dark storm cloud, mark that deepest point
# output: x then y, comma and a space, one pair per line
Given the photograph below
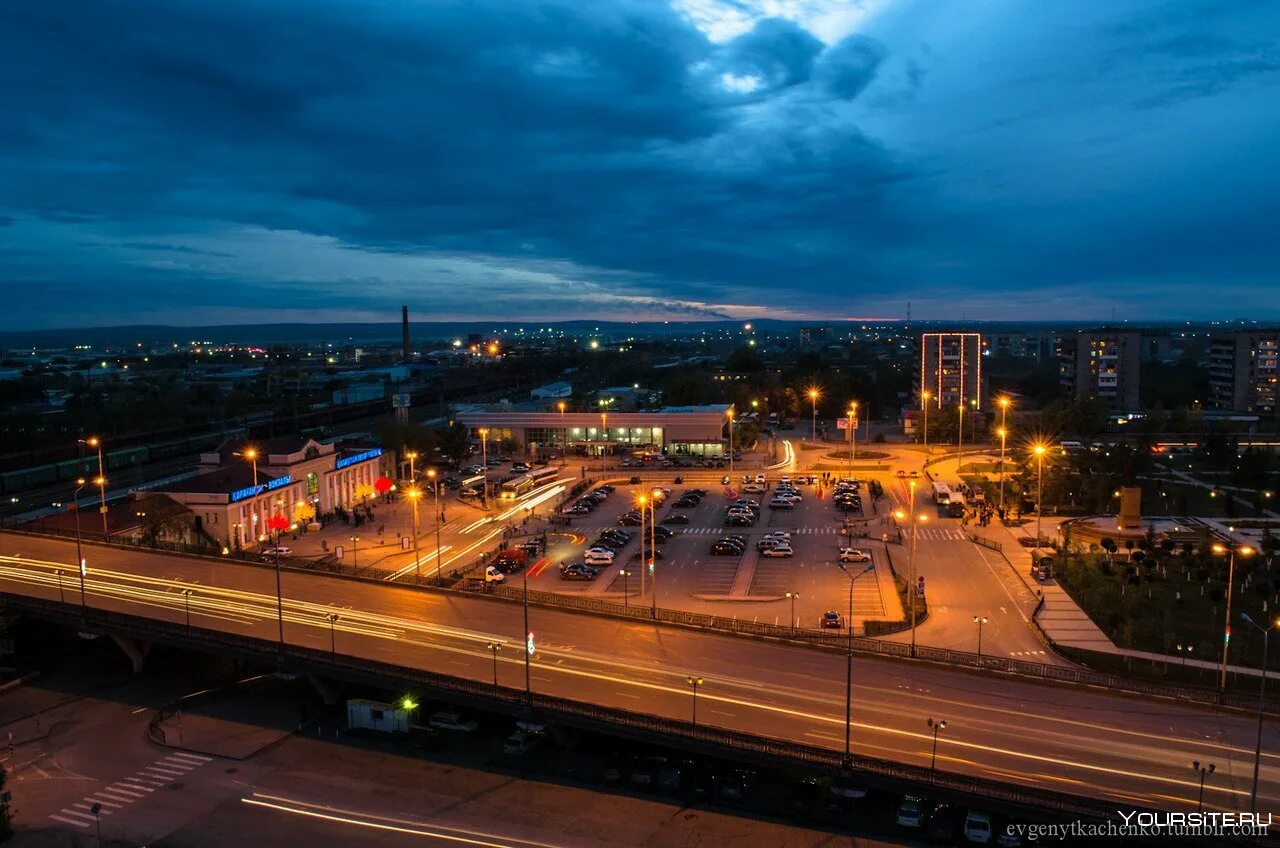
594, 157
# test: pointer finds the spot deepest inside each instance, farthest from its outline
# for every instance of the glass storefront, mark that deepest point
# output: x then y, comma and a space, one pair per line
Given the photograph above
637, 436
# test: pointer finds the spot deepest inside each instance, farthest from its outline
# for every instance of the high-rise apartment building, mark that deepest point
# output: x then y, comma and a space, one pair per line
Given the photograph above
1101, 363
950, 369
1243, 372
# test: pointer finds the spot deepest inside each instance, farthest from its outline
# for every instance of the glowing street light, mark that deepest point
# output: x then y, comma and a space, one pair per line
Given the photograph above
924, 407
981, 621
1245, 551
1039, 450
814, 394
100, 481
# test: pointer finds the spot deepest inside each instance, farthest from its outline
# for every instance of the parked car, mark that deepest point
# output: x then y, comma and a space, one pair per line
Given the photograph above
753, 488
854, 555
676, 518
598, 556
779, 550
977, 827
579, 571
723, 548
518, 743
662, 534
831, 620
942, 823
452, 721
521, 467
452, 481
782, 503
911, 812
630, 519
278, 550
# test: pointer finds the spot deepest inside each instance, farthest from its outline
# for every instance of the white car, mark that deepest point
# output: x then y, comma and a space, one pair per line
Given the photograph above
977, 827
519, 742
779, 550
598, 557
760, 479
785, 481
778, 536
453, 722
854, 555
753, 488
280, 549
782, 503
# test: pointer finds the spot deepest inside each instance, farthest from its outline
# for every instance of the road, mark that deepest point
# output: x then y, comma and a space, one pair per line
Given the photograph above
1083, 741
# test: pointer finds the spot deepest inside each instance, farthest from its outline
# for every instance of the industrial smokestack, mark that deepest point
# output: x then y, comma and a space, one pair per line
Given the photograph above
404, 331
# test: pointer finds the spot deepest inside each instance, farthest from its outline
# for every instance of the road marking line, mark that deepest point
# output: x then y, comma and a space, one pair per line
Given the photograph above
106, 802
119, 789
138, 785
190, 756
116, 795
178, 764
69, 821
87, 807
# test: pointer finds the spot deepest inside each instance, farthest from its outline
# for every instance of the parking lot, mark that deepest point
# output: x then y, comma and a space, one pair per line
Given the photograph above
746, 583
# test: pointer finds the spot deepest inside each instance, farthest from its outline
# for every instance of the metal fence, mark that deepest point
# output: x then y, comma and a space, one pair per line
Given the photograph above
985, 542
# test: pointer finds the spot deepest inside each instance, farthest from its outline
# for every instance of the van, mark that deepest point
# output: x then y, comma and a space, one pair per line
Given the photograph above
977, 827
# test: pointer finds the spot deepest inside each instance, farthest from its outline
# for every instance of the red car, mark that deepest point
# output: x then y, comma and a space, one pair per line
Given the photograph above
831, 620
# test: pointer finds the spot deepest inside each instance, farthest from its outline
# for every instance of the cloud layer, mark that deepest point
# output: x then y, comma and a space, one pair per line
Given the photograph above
635, 158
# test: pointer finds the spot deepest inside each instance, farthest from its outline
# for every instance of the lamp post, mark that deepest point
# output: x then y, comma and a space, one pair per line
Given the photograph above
1203, 771
1039, 450
642, 499
355, 545
435, 505
494, 647
333, 637
1262, 695
936, 727
413, 494
924, 407
484, 461
564, 434
62, 599
694, 683
251, 454
814, 394
729, 414
960, 435
653, 557
853, 434
1003, 434
791, 596
101, 481
412, 456
80, 563
1243, 550
981, 621
848, 674
528, 643
186, 598
916, 521
280, 599
626, 590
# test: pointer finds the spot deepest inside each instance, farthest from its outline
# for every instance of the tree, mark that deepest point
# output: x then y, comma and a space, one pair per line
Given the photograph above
744, 359
1109, 545
454, 443
162, 520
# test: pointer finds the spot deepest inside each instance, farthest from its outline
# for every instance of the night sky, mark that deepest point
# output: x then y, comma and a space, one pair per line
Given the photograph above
229, 162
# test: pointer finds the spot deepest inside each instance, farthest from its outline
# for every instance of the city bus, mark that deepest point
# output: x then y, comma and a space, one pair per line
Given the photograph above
941, 494
528, 482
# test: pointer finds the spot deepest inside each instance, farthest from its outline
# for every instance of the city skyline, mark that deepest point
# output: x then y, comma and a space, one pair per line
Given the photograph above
654, 161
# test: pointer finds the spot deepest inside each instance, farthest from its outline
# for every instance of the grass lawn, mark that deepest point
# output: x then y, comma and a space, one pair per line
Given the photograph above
1178, 602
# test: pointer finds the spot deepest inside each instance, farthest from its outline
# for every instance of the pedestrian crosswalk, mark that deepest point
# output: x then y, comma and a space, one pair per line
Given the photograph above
114, 798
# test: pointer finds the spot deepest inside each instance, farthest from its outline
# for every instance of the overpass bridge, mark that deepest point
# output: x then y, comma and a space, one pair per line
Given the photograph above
1073, 749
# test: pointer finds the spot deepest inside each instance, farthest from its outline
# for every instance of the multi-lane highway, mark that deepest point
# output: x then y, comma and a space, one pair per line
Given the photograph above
1082, 741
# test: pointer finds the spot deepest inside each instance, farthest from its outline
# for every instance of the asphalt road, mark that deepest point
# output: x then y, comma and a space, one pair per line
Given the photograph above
1084, 741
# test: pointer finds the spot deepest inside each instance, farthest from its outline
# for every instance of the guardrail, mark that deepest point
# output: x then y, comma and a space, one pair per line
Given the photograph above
823, 639
710, 738
985, 542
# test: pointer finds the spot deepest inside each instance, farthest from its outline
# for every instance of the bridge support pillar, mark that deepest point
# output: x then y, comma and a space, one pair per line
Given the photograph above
135, 651
328, 692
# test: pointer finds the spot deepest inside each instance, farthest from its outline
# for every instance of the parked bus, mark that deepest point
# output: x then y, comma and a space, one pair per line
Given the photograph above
941, 494
528, 482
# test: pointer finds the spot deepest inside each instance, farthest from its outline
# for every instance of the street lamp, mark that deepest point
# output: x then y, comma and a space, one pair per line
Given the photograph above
814, 394
413, 494
848, 673
936, 727
791, 596
1243, 550
186, 598
641, 500
729, 413
1262, 694
981, 621
916, 521
960, 435
494, 647
100, 481
333, 637
1039, 449
355, 552
484, 461
852, 424
412, 456
1204, 771
564, 434
80, 564
62, 598
694, 683
626, 589
251, 454
439, 516
1003, 434
924, 407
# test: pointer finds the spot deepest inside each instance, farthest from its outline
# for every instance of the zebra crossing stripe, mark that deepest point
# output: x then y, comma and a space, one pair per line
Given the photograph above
196, 758
57, 817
